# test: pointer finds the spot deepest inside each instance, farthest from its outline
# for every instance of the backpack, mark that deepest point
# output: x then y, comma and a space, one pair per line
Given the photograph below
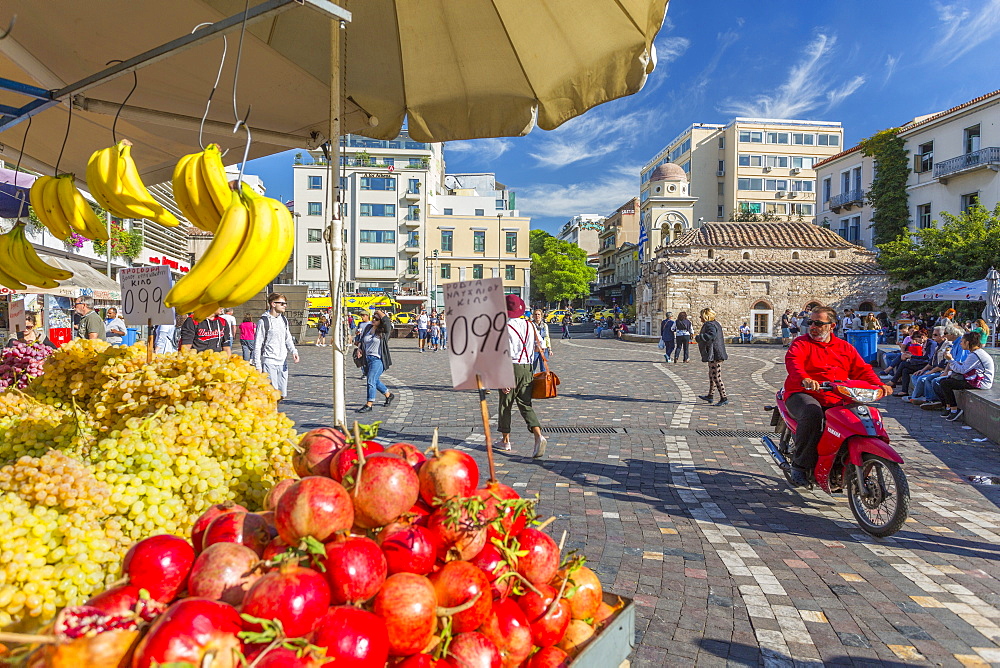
265, 323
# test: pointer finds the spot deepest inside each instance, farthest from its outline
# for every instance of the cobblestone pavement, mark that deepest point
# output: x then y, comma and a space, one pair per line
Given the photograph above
726, 564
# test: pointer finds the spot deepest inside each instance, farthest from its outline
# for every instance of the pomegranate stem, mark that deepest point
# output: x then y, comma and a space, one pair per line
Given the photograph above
361, 458
448, 612
555, 601
547, 522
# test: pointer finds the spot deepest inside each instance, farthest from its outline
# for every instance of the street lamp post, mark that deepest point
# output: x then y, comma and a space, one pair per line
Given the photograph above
499, 244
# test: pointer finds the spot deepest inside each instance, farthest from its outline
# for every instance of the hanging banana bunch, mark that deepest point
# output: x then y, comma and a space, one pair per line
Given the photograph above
63, 209
253, 241
114, 181
20, 265
201, 188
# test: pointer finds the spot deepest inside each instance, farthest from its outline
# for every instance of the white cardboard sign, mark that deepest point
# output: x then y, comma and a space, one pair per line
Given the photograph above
143, 291
15, 314
477, 334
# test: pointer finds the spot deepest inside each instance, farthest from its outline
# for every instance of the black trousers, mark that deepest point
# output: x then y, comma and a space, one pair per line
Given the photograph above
946, 389
808, 412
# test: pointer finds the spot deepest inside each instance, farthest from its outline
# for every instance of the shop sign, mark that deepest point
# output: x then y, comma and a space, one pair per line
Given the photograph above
167, 262
477, 334
15, 314
143, 291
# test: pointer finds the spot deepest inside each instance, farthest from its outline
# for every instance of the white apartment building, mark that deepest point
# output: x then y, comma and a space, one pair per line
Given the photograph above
955, 163
583, 230
385, 186
756, 165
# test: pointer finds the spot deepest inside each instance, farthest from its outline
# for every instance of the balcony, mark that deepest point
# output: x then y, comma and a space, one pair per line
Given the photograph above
847, 200
412, 246
412, 195
983, 158
412, 220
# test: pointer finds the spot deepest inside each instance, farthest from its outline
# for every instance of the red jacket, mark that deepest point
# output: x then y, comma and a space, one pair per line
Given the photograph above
835, 359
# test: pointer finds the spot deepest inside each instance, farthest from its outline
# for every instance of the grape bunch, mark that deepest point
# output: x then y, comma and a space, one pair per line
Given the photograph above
20, 362
103, 449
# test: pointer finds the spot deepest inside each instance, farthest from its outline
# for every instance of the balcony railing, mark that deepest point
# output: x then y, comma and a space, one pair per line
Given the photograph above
981, 158
412, 217
847, 199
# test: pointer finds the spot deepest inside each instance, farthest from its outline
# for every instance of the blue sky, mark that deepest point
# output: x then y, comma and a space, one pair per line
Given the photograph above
868, 64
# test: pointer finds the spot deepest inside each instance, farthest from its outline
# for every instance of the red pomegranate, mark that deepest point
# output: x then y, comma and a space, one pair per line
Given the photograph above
200, 524
548, 657
122, 598
352, 636
473, 650
578, 633
449, 474
510, 520
508, 628
273, 494
346, 458
606, 612
457, 583
388, 488
224, 572
422, 661
459, 534
355, 569
282, 657
584, 591
87, 637
275, 548
316, 450
541, 562
313, 506
190, 630
250, 529
409, 549
492, 562
293, 595
547, 627
160, 565
409, 452
408, 604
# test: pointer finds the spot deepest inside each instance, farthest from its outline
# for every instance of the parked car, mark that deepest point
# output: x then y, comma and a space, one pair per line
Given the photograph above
557, 315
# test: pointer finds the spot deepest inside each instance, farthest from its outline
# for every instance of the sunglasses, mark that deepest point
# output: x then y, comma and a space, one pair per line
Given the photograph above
818, 323
279, 303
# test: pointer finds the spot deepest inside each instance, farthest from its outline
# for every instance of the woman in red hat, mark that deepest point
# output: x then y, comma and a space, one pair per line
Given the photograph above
524, 342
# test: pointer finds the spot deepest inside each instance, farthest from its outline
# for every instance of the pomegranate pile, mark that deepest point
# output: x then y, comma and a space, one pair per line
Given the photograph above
376, 556
102, 449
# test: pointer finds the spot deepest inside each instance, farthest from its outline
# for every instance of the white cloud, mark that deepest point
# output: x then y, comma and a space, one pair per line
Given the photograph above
890, 68
596, 133
962, 29
565, 201
669, 49
807, 88
483, 149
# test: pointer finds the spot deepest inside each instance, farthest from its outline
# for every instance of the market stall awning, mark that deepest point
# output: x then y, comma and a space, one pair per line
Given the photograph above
449, 69
949, 291
85, 281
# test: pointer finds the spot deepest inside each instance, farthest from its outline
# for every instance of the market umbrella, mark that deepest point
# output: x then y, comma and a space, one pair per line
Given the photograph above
949, 291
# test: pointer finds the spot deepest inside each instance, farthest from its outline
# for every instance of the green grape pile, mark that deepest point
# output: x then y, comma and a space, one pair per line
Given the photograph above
103, 449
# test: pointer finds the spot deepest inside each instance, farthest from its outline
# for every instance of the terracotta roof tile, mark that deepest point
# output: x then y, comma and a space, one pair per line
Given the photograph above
837, 156
797, 268
762, 235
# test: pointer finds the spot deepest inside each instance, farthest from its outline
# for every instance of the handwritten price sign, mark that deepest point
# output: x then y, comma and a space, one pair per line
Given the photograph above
477, 334
143, 290
15, 314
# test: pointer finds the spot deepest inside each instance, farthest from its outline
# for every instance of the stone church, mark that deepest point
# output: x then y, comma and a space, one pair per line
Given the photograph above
745, 272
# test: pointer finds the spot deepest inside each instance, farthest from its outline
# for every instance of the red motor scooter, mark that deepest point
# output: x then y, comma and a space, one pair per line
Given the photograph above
854, 456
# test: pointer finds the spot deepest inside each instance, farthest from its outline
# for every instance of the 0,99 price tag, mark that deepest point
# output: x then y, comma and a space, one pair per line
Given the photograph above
477, 334
143, 291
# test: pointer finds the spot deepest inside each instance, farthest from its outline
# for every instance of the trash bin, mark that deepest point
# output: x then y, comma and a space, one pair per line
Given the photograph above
865, 341
131, 334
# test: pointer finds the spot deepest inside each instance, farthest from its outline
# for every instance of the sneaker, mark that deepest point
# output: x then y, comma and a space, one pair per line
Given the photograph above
945, 413
930, 406
388, 400
956, 415
706, 397
540, 443
799, 477
505, 446
906, 397
918, 402
364, 409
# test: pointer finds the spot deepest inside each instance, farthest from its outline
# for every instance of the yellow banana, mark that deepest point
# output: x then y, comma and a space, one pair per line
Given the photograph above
55, 208
97, 179
6, 263
13, 250
227, 242
37, 197
259, 242
216, 181
206, 216
179, 189
205, 311
77, 208
275, 259
134, 193
36, 263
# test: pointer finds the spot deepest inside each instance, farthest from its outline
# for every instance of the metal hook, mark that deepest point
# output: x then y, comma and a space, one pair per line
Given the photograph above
246, 150
215, 86
135, 84
10, 26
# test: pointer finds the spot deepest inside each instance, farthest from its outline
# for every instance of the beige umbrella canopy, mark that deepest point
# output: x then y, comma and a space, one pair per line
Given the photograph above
450, 69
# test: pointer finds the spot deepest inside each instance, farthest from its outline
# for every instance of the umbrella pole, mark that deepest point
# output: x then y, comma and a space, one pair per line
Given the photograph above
336, 239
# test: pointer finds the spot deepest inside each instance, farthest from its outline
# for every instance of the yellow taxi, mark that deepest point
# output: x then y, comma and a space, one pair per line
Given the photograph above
404, 318
557, 315
605, 313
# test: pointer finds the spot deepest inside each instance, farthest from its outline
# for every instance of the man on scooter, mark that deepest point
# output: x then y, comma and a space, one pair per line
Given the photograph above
813, 358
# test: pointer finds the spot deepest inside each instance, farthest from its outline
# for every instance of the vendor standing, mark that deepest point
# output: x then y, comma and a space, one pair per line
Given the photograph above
114, 327
91, 324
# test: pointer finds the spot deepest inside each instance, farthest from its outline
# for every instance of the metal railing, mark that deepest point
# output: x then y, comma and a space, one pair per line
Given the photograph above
850, 197
984, 156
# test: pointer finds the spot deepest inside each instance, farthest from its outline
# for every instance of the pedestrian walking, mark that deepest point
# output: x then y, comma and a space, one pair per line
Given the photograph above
423, 322
273, 343
91, 324
795, 325
668, 339
786, 327
683, 329
227, 315
114, 327
212, 333
712, 346
435, 335
443, 323
537, 319
566, 322
248, 330
523, 340
322, 327
373, 341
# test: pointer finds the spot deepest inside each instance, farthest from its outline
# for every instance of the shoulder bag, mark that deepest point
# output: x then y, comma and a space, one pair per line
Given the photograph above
976, 377
545, 383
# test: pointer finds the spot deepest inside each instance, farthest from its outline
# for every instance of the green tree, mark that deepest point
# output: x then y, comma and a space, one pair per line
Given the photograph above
887, 194
964, 247
536, 241
560, 271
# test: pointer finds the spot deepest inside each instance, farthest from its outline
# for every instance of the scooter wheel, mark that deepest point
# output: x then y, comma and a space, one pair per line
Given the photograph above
883, 512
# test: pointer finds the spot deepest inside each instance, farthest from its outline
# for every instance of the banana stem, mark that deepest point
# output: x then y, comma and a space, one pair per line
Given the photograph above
28, 638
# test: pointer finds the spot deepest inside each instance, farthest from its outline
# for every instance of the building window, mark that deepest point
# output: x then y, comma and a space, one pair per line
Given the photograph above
925, 157
378, 263
314, 235
761, 321
447, 237
414, 186
512, 242
969, 200
803, 138
477, 271
802, 209
315, 183
479, 242
972, 136
314, 209
448, 212
833, 255
777, 137
413, 241
379, 210
722, 167
314, 262
750, 184
378, 183
802, 186
445, 270
855, 233
776, 161
711, 253
828, 140
795, 255
720, 212
413, 266
722, 142
750, 207
509, 272
827, 187
778, 208
751, 137
773, 185
501, 205
856, 173
845, 224
480, 212
416, 163
746, 255
377, 236
722, 188
802, 162
412, 212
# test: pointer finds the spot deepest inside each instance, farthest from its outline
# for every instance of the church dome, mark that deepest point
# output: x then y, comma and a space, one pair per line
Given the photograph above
668, 171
